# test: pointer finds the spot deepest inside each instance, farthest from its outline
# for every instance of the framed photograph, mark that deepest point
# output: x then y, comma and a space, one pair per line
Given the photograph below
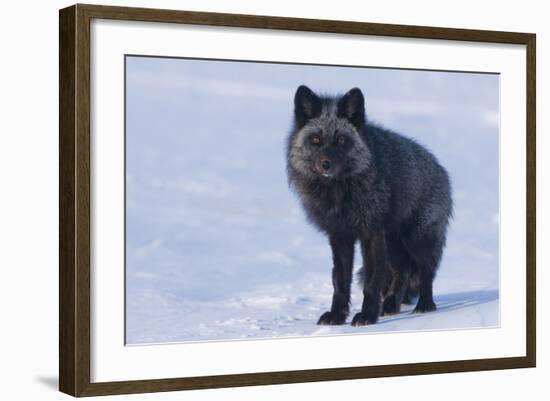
250, 200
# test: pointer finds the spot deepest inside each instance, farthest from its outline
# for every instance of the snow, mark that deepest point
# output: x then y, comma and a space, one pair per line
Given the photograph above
217, 246
292, 309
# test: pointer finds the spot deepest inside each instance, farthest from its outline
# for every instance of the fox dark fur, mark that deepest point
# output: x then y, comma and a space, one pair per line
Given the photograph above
360, 182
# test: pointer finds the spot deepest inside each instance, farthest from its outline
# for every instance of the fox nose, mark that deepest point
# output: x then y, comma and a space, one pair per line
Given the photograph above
325, 164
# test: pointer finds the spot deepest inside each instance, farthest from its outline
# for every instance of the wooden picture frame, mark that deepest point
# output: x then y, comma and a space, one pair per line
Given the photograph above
75, 208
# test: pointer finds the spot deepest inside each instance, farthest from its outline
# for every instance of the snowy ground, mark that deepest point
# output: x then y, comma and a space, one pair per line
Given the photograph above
291, 310
217, 246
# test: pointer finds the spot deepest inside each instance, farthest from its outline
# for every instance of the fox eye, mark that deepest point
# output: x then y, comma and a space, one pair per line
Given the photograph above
315, 140
341, 140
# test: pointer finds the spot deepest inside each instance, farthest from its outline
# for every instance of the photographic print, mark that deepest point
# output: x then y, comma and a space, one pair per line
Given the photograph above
273, 200
239, 185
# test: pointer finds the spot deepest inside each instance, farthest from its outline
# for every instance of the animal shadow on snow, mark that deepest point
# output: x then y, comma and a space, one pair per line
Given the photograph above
447, 303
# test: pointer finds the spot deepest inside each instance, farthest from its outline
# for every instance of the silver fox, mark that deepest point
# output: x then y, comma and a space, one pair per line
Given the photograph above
360, 182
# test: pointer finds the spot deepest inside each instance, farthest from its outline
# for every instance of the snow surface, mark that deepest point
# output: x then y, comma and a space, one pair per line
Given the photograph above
217, 247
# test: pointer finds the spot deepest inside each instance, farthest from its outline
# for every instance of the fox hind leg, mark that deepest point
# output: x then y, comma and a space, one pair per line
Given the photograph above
400, 266
426, 252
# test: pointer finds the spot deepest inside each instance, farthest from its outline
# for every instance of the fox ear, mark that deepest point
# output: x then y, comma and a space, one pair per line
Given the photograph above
352, 107
307, 105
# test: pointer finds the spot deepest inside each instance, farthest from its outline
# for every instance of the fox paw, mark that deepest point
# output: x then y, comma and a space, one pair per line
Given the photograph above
390, 306
332, 318
363, 319
424, 306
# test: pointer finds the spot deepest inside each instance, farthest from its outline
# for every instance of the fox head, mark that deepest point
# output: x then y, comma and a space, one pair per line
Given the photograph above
326, 141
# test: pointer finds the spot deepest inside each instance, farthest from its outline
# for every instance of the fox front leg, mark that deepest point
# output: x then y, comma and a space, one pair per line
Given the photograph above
373, 249
342, 257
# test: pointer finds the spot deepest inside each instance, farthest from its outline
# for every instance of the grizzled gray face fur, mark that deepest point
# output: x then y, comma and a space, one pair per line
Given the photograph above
326, 143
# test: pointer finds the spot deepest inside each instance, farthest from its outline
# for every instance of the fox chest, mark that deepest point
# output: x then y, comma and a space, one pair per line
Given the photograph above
340, 210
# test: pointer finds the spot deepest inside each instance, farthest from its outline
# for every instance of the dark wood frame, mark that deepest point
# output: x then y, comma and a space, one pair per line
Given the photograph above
74, 199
